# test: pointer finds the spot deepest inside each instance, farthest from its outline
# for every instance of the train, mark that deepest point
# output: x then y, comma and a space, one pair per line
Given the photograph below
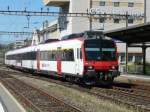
88, 57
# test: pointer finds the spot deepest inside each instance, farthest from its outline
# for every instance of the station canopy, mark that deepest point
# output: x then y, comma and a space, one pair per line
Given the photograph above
133, 34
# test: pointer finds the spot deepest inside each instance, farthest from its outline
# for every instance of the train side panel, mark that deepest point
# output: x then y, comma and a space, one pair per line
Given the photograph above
68, 66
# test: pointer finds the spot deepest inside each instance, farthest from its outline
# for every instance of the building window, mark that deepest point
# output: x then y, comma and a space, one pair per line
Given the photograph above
116, 4
102, 3
130, 21
116, 20
122, 59
138, 59
130, 4
130, 58
102, 20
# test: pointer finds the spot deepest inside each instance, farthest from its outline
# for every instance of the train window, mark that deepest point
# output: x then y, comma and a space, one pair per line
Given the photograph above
7, 57
80, 53
28, 56
45, 55
70, 55
42, 55
108, 54
53, 55
67, 55
32, 56
24, 56
49, 55
77, 53
63, 55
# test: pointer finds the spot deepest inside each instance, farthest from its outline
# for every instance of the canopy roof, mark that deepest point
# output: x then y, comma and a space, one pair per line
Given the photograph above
132, 34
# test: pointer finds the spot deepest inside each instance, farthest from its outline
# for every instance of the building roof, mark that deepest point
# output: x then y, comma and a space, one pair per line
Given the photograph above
57, 3
133, 34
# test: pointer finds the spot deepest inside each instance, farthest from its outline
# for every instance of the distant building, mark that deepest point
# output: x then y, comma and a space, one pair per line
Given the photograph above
18, 44
21, 43
50, 30
69, 25
27, 42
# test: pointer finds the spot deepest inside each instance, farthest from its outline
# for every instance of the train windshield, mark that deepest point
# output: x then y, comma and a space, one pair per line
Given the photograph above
100, 50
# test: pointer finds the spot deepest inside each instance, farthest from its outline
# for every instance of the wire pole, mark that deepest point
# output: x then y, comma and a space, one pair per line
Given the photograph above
127, 44
145, 11
90, 16
15, 33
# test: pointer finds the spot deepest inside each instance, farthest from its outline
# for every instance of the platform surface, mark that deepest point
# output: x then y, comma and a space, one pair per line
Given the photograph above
8, 103
1, 107
133, 79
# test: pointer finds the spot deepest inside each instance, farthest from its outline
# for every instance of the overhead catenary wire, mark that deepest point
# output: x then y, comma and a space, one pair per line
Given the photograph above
15, 33
59, 14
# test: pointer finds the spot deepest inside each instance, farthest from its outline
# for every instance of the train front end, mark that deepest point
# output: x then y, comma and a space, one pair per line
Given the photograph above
100, 60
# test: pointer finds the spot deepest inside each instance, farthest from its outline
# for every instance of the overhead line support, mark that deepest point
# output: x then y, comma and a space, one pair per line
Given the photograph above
15, 33
47, 13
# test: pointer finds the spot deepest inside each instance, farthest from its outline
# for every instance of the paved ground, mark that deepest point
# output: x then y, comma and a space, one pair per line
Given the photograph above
7, 102
133, 78
1, 107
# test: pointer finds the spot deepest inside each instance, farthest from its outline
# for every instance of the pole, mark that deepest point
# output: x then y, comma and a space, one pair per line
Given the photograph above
28, 18
126, 19
90, 16
145, 11
144, 47
126, 44
144, 58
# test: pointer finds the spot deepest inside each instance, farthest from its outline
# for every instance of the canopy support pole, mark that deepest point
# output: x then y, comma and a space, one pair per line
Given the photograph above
144, 58
126, 57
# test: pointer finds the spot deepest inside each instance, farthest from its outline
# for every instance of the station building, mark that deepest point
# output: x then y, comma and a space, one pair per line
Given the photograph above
68, 25
147, 10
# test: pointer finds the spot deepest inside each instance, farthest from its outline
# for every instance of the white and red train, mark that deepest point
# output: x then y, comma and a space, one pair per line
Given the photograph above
89, 58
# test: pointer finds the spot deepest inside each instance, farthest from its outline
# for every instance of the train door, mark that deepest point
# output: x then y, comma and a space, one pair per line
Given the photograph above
79, 61
59, 63
38, 60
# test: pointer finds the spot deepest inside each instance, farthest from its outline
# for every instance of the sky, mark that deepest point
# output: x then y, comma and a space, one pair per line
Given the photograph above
19, 23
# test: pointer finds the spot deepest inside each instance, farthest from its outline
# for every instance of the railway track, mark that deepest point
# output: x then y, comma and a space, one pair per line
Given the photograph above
138, 101
33, 98
132, 95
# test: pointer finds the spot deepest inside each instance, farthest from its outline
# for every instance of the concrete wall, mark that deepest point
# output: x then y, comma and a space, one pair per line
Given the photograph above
109, 24
148, 10
77, 24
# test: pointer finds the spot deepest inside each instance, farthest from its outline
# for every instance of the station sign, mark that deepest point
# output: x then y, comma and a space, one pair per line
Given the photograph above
117, 12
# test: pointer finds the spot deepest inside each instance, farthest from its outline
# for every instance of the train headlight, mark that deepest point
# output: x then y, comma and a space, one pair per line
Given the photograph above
90, 67
113, 67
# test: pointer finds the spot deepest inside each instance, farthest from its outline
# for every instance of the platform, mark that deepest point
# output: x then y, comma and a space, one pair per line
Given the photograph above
2, 107
133, 78
8, 103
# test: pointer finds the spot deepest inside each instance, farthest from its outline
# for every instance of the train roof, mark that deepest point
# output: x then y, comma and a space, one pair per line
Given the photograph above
62, 44
48, 46
74, 40
85, 35
21, 50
